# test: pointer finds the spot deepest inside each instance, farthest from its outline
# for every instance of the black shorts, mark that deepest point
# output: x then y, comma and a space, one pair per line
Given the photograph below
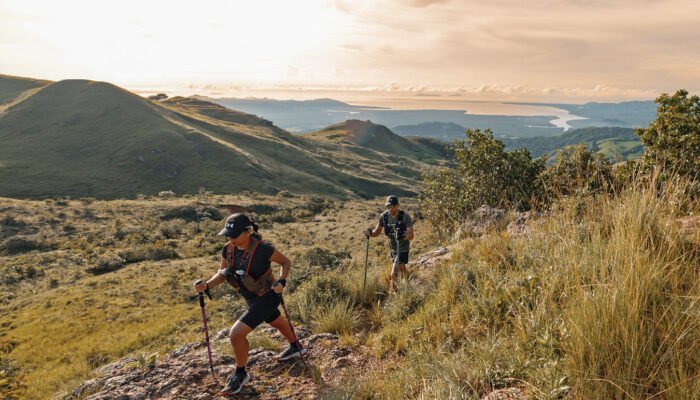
261, 309
403, 257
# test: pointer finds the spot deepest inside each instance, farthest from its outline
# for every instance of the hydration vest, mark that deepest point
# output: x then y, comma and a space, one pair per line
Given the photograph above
399, 225
236, 276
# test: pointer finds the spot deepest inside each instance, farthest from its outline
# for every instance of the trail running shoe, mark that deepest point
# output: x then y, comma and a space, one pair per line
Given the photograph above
291, 352
235, 384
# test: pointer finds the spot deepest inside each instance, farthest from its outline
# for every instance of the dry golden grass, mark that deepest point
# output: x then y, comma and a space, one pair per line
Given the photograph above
61, 320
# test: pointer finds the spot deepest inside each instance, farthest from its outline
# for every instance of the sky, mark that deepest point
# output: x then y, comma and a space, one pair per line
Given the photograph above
534, 50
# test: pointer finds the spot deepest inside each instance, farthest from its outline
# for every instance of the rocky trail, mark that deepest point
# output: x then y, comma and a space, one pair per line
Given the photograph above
184, 373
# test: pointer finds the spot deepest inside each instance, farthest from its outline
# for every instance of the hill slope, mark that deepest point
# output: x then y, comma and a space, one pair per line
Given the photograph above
84, 138
375, 137
611, 141
13, 86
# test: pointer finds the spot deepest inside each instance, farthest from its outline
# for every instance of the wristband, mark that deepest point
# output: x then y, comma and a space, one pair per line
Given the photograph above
282, 282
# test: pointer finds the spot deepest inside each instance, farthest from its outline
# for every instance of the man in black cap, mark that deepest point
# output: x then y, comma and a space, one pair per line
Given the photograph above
398, 227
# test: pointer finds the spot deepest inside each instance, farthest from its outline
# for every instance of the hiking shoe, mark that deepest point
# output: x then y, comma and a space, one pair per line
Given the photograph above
291, 352
235, 384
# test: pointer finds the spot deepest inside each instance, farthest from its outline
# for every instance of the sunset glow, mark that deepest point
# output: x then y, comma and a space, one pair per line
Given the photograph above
542, 49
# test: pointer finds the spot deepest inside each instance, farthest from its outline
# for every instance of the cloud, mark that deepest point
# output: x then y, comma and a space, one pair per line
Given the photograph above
423, 3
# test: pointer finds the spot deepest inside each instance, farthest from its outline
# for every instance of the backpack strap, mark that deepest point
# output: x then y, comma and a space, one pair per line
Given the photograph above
247, 258
254, 243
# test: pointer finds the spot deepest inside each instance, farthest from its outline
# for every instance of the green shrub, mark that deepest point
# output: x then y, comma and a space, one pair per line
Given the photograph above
12, 222
577, 171
153, 252
172, 229
672, 140
324, 258
317, 205
17, 245
107, 263
190, 213
281, 216
481, 172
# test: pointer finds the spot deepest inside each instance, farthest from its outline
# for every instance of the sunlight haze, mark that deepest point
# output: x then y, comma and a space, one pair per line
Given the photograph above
541, 50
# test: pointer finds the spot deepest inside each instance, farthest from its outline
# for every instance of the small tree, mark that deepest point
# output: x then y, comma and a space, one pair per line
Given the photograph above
480, 172
577, 171
672, 140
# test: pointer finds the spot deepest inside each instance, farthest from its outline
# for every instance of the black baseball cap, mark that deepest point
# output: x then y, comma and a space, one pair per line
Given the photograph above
235, 225
392, 200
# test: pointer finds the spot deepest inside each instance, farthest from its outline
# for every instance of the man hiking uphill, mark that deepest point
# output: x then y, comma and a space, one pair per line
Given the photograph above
246, 265
398, 227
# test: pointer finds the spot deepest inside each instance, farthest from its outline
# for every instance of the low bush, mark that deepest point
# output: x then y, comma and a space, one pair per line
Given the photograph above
107, 263
172, 229
324, 258
18, 245
190, 213
152, 252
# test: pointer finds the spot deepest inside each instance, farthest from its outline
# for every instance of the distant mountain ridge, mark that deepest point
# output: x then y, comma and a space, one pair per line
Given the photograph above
312, 115
439, 130
85, 138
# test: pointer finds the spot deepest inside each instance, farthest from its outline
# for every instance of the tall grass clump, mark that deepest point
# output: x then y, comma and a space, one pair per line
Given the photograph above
633, 300
340, 317
600, 301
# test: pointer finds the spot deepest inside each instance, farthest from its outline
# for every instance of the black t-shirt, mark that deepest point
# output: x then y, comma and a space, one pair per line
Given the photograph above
259, 264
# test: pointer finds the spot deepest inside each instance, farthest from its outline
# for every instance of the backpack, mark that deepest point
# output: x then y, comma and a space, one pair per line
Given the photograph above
399, 226
236, 277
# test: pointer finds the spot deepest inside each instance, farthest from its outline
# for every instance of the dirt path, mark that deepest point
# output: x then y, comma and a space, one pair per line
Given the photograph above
22, 97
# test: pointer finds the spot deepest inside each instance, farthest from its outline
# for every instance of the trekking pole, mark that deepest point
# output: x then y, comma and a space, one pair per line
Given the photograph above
289, 321
364, 281
398, 250
204, 320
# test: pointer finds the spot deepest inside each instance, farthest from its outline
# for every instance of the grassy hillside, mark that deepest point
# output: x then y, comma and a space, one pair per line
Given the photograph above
301, 164
13, 86
95, 139
373, 136
610, 141
94, 281
599, 301
84, 138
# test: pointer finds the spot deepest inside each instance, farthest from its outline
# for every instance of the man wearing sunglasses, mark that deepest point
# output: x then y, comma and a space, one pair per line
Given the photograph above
398, 227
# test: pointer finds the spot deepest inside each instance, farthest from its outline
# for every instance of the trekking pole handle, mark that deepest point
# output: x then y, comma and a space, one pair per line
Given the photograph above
201, 296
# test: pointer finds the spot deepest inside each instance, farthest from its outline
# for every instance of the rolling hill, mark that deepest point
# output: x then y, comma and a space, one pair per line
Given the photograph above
367, 135
84, 138
13, 86
611, 141
446, 131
